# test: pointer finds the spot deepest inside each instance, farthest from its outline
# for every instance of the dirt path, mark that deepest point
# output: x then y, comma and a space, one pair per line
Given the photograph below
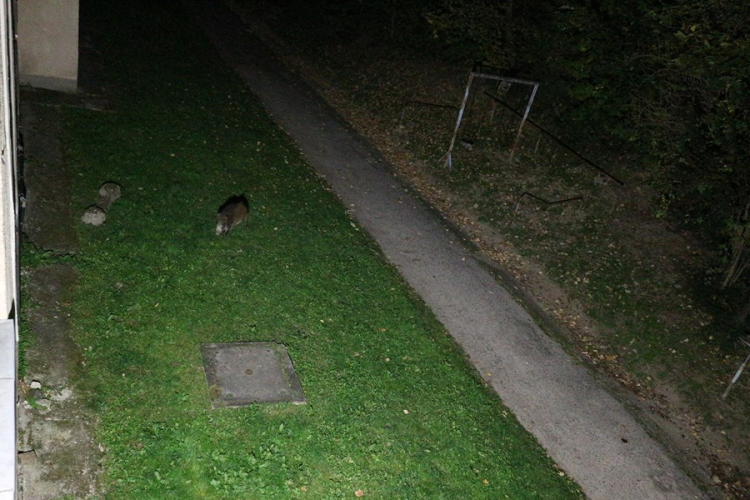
587, 431
57, 453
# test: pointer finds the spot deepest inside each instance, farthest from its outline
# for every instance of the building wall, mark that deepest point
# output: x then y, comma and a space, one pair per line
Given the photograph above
8, 258
7, 202
8, 192
48, 44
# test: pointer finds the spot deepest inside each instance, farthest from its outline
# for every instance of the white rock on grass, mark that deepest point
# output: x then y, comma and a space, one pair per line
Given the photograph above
94, 216
110, 191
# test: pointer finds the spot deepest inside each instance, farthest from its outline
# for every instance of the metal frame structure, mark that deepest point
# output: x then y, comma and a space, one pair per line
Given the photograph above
535, 86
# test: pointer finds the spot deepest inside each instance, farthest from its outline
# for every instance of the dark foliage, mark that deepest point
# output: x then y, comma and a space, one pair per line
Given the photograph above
667, 82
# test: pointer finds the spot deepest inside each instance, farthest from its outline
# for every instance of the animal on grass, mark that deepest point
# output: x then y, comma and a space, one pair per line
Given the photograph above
232, 212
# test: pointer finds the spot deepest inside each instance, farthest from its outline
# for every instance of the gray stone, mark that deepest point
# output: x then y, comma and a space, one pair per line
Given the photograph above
108, 194
27, 458
94, 216
242, 373
110, 190
601, 180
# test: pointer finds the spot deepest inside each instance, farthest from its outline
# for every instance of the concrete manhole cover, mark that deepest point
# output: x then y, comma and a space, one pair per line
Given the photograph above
242, 373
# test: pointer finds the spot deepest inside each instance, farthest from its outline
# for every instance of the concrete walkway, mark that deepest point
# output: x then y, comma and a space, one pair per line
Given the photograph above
584, 429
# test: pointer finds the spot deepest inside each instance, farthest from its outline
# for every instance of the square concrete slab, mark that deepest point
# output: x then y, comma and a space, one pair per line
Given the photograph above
242, 373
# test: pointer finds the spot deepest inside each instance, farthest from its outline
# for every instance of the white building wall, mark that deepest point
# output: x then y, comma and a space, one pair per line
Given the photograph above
8, 257
48, 44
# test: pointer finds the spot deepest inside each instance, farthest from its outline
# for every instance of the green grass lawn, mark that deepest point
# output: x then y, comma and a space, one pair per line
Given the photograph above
394, 410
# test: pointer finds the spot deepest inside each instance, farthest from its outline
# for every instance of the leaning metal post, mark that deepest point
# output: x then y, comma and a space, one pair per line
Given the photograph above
737, 375
448, 155
523, 121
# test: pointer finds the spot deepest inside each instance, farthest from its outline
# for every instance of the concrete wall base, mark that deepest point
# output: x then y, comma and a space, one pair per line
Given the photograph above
49, 82
48, 44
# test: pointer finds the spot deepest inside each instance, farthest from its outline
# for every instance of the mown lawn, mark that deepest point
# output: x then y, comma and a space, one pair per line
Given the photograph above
394, 410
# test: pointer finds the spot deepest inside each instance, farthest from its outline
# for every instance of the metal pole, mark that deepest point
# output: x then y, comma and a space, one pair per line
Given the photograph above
523, 121
504, 79
736, 375
448, 158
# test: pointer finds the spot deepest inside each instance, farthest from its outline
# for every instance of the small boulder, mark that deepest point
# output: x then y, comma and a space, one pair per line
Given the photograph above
94, 216
110, 191
27, 458
601, 180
